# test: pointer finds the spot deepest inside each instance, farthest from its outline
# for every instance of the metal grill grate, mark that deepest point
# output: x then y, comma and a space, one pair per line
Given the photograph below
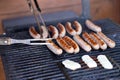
23, 62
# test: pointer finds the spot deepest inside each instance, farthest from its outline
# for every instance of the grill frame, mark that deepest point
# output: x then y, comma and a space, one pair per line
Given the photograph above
11, 54
55, 59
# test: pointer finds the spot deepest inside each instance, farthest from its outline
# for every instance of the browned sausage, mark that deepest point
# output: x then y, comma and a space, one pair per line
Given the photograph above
92, 26
78, 27
101, 43
72, 43
82, 43
34, 33
54, 31
44, 32
108, 41
69, 29
54, 48
64, 45
88, 39
62, 30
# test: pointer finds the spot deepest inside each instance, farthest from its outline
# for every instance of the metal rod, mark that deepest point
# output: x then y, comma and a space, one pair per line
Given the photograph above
41, 39
35, 15
39, 43
28, 41
39, 11
40, 15
37, 6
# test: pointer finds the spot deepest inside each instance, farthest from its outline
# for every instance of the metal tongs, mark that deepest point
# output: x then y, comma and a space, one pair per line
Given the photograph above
9, 41
32, 9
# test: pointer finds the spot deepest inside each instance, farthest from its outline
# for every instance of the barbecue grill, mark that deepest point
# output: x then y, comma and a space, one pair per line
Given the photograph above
28, 62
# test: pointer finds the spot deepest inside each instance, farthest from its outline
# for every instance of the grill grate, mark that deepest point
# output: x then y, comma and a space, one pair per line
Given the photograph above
23, 62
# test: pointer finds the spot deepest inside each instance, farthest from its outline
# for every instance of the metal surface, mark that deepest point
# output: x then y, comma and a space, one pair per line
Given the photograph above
39, 12
25, 62
22, 62
32, 9
10, 41
41, 18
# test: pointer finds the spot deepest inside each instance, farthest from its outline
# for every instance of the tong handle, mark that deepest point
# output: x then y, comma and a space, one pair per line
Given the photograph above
37, 5
5, 41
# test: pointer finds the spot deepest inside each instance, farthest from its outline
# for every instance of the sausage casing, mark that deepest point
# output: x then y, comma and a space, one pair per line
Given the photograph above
69, 29
34, 33
72, 43
54, 31
92, 26
64, 45
88, 39
61, 29
101, 43
108, 41
44, 32
54, 48
78, 27
85, 46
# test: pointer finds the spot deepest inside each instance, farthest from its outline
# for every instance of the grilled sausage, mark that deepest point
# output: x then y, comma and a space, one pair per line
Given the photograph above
61, 29
101, 43
108, 41
92, 26
54, 48
44, 32
78, 27
72, 43
54, 31
69, 29
64, 45
82, 43
88, 39
34, 33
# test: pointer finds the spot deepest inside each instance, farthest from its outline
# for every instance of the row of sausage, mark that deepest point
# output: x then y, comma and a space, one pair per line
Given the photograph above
94, 40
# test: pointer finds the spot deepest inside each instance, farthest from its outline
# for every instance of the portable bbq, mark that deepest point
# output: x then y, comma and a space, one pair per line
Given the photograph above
36, 62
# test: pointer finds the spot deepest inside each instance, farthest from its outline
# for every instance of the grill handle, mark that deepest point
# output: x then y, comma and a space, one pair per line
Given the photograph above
5, 41
9, 41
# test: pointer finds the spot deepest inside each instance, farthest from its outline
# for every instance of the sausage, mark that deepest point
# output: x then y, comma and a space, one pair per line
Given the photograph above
54, 48
108, 41
92, 26
64, 45
69, 29
88, 39
61, 29
34, 33
78, 27
54, 31
82, 43
44, 32
72, 43
101, 43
